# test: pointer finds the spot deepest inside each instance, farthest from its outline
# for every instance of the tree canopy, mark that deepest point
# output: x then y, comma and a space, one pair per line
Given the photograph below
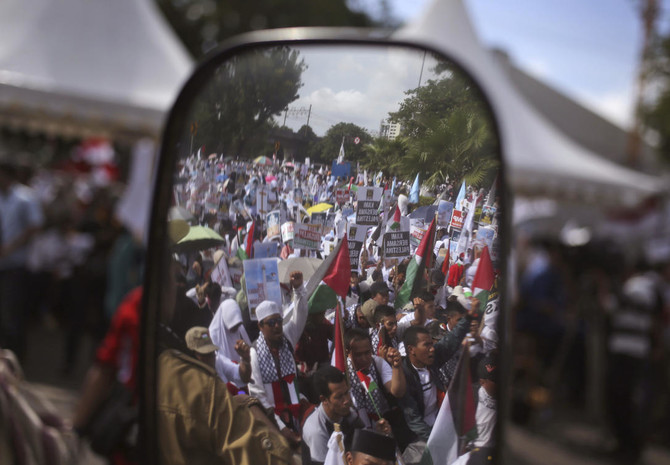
328, 148
238, 105
446, 132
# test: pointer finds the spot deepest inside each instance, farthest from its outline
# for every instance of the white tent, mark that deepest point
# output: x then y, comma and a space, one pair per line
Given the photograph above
88, 67
541, 160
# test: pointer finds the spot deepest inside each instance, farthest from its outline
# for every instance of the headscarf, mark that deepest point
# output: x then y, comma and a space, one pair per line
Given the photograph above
227, 316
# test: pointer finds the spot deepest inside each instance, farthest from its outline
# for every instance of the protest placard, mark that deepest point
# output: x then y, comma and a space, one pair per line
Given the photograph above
356, 235
307, 236
262, 200
367, 212
486, 235
417, 228
262, 282
457, 219
444, 210
265, 249
320, 219
287, 231
221, 274
487, 214
341, 196
396, 244
272, 220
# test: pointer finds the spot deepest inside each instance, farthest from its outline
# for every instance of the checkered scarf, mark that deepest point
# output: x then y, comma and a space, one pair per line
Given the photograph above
360, 394
267, 361
448, 368
375, 338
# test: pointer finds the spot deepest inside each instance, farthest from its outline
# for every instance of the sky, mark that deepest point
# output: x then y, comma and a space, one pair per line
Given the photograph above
587, 49
355, 85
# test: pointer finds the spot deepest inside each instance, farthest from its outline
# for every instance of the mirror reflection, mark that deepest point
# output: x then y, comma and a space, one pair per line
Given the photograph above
334, 234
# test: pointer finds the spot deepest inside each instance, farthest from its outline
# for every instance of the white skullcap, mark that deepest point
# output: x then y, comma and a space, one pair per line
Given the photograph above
267, 308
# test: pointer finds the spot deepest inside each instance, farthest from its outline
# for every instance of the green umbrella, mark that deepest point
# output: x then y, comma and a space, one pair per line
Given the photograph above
199, 238
263, 160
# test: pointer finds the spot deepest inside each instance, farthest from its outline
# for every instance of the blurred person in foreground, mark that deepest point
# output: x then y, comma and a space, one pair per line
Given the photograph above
21, 217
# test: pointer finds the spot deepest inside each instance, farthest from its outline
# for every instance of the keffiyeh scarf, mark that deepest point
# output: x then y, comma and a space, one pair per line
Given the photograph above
360, 394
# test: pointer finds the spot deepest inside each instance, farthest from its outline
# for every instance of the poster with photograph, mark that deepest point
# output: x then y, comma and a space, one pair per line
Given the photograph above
356, 235
444, 210
262, 282
272, 220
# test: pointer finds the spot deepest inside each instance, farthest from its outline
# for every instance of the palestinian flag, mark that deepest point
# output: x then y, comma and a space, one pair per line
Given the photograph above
246, 248
394, 224
370, 387
416, 267
455, 419
483, 280
330, 280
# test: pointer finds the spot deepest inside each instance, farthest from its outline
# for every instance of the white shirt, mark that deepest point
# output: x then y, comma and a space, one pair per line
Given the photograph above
429, 396
486, 419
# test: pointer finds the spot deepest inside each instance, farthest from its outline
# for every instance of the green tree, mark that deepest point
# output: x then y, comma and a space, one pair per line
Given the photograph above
447, 132
328, 148
235, 110
383, 154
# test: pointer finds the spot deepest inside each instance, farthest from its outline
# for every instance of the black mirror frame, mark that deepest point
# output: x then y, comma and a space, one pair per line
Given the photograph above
158, 239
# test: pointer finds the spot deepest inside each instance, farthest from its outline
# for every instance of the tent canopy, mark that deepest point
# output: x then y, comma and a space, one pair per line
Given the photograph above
541, 160
77, 67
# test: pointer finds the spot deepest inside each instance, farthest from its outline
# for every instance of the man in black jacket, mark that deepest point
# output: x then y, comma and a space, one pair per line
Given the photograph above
420, 402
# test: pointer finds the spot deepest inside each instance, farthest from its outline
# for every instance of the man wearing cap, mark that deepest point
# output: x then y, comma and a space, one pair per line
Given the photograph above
199, 341
370, 448
379, 293
200, 422
273, 365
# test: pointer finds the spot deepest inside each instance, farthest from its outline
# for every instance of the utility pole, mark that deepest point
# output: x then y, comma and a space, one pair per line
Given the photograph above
309, 113
649, 14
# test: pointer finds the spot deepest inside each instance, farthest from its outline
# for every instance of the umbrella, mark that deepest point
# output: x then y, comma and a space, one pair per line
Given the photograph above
318, 208
263, 160
289, 165
270, 178
180, 213
305, 264
228, 158
427, 212
212, 156
199, 238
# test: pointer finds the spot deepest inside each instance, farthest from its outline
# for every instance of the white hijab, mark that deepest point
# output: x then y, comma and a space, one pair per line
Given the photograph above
227, 316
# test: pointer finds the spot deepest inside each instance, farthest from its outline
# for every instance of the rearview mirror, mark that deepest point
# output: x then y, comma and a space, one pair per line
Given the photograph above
275, 151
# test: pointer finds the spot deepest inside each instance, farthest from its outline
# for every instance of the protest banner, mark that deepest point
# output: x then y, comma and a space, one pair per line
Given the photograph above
367, 212
320, 219
478, 212
262, 200
486, 235
287, 231
221, 274
266, 249
417, 228
457, 219
444, 210
262, 282
356, 235
272, 221
488, 213
396, 244
307, 236
341, 196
